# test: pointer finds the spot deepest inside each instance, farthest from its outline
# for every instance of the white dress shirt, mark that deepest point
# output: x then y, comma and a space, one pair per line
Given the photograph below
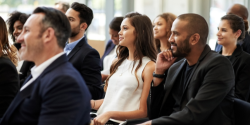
37, 71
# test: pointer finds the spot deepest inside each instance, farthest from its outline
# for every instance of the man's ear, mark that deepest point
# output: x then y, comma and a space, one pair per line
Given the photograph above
194, 39
84, 26
48, 35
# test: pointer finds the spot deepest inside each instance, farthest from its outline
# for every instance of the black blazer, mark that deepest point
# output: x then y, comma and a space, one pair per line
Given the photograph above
59, 96
87, 61
207, 98
9, 83
241, 64
25, 71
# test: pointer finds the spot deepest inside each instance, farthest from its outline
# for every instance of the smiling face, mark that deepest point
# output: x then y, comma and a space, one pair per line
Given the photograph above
114, 36
31, 38
18, 28
225, 34
127, 33
160, 28
179, 39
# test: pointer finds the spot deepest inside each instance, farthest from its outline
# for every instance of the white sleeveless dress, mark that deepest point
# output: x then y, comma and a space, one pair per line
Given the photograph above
122, 93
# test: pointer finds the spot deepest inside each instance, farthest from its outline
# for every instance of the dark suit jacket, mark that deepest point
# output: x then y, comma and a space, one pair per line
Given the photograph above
207, 97
59, 96
86, 60
9, 83
109, 47
25, 70
245, 44
241, 64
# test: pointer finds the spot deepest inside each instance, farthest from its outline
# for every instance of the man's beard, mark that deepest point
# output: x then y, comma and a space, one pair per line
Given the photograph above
183, 49
75, 31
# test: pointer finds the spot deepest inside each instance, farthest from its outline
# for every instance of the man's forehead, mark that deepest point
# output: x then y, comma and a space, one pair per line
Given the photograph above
34, 19
179, 25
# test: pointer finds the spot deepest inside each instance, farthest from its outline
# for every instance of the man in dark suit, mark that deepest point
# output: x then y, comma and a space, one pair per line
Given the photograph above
242, 12
83, 57
197, 90
54, 93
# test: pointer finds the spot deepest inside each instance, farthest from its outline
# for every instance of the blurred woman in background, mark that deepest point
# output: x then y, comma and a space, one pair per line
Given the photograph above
162, 30
110, 50
15, 23
9, 82
232, 29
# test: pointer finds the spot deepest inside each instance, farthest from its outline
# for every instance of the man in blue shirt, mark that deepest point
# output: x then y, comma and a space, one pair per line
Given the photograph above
83, 57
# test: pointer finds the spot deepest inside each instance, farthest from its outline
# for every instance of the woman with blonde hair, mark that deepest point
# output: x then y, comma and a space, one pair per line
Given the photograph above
9, 83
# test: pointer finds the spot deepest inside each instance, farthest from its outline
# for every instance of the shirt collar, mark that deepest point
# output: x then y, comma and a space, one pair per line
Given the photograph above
72, 45
36, 71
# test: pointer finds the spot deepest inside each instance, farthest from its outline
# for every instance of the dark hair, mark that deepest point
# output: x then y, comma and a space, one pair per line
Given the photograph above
169, 18
85, 13
196, 24
144, 44
58, 21
236, 23
5, 48
116, 23
15, 16
65, 5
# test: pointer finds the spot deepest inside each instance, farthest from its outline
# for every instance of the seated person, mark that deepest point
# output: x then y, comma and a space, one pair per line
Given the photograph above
231, 30
197, 90
110, 50
162, 30
9, 83
128, 85
15, 23
62, 6
83, 57
54, 93
242, 12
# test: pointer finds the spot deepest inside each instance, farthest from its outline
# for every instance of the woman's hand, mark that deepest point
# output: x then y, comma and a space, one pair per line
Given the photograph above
102, 119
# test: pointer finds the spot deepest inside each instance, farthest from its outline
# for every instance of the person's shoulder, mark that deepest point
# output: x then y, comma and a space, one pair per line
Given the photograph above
64, 72
245, 57
150, 65
5, 61
213, 56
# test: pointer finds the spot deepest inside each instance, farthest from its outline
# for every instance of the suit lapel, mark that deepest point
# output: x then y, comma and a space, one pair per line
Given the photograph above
171, 78
235, 54
203, 55
110, 48
28, 90
18, 99
76, 48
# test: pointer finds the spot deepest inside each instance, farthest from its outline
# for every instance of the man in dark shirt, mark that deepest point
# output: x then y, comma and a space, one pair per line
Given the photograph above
197, 90
242, 12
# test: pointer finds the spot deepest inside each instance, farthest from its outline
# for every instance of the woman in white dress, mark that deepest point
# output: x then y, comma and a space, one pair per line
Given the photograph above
128, 84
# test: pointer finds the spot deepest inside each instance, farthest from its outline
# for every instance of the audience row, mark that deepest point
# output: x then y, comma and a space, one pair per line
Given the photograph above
160, 70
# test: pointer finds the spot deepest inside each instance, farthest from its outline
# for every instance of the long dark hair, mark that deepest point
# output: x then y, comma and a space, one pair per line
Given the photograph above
115, 24
5, 48
169, 18
144, 44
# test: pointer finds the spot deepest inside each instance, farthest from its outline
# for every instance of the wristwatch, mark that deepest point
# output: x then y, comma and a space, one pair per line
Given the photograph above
158, 75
